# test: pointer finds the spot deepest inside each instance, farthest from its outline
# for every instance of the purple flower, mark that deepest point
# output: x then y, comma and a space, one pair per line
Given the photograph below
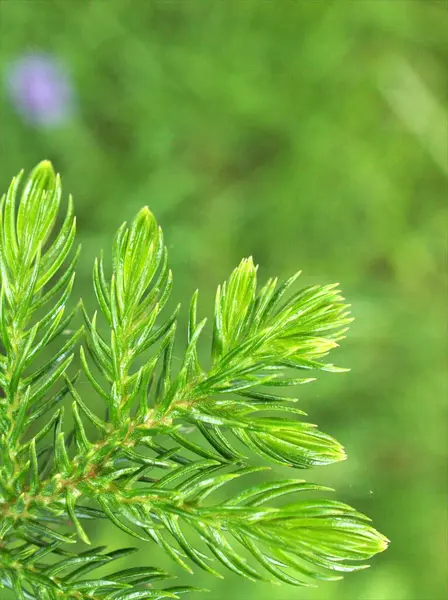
41, 90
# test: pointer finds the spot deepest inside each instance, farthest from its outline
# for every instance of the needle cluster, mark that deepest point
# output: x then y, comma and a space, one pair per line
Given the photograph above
158, 460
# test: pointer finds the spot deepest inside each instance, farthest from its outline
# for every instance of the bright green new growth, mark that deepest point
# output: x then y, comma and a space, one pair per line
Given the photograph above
168, 439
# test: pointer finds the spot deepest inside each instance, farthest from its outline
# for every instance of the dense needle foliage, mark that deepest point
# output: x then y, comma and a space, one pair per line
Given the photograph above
168, 438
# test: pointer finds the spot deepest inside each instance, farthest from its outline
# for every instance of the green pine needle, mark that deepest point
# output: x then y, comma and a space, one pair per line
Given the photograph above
159, 460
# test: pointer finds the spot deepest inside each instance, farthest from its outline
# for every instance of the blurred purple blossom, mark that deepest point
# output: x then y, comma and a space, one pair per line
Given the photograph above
41, 89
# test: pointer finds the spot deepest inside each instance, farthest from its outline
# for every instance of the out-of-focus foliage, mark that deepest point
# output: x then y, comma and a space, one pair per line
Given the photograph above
306, 133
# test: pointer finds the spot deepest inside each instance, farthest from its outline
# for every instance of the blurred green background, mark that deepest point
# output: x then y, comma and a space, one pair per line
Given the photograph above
313, 135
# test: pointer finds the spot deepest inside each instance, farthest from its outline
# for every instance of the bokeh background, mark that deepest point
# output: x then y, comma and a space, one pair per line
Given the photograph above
311, 134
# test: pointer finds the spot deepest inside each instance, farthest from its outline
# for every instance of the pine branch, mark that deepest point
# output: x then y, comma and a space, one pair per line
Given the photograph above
141, 468
25, 571
28, 265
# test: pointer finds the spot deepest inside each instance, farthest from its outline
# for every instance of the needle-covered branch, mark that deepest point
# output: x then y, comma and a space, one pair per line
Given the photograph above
37, 277
156, 460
